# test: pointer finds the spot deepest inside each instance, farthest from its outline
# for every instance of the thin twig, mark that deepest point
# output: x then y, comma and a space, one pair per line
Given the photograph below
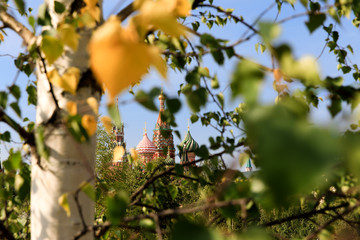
51, 86
219, 9
125, 12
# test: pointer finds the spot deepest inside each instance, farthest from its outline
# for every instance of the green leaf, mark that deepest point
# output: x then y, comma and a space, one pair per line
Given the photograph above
76, 129
13, 162
315, 21
173, 105
269, 31
293, 155
114, 114
246, 81
220, 98
194, 117
193, 78
31, 21
218, 56
195, 25
20, 4
262, 48
196, 99
88, 189
209, 41
332, 45
15, 91
5, 136
40, 142
116, 207
52, 48
335, 36
27, 69
215, 83
146, 100
314, 6
32, 94
3, 99
59, 7
16, 108
350, 48
173, 190
229, 52
44, 18
335, 106
202, 152
346, 69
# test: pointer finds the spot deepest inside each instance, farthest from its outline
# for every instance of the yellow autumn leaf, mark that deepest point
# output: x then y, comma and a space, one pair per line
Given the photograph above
183, 8
118, 59
64, 203
178, 8
107, 122
69, 36
71, 107
1, 37
89, 124
134, 154
90, 14
161, 15
68, 81
93, 103
118, 153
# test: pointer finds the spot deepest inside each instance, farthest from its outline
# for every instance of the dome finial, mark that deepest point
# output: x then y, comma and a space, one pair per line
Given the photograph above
145, 129
188, 124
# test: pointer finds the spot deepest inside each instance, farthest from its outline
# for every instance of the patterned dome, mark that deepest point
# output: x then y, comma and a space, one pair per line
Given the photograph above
189, 144
145, 145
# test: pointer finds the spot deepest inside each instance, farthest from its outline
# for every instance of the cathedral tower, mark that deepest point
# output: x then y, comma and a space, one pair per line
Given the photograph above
162, 137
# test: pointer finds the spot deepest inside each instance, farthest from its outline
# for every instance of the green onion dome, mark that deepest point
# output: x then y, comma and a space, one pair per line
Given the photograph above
189, 144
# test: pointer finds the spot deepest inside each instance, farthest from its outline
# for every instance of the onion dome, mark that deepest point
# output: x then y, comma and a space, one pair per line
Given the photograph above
145, 145
189, 144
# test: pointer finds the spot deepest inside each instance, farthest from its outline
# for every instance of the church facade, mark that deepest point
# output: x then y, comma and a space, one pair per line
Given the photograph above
162, 144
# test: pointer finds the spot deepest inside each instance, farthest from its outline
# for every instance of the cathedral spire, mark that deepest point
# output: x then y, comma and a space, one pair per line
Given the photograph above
162, 137
145, 131
162, 100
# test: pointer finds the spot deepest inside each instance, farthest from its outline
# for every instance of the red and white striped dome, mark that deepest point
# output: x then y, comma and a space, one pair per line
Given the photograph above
145, 145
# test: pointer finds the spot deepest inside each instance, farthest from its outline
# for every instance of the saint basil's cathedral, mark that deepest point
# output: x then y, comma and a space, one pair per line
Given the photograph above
162, 144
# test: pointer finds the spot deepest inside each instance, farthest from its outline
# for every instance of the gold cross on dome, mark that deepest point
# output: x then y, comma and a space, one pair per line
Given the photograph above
144, 129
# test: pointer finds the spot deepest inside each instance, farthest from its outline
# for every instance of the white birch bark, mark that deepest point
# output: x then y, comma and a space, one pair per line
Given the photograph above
70, 163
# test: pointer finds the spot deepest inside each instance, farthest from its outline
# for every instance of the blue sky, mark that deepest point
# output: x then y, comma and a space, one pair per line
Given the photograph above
294, 32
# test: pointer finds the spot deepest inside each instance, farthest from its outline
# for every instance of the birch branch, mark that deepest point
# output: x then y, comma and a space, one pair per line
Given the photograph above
10, 22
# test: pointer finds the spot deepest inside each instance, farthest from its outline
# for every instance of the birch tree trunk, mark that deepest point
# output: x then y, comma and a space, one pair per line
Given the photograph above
70, 163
